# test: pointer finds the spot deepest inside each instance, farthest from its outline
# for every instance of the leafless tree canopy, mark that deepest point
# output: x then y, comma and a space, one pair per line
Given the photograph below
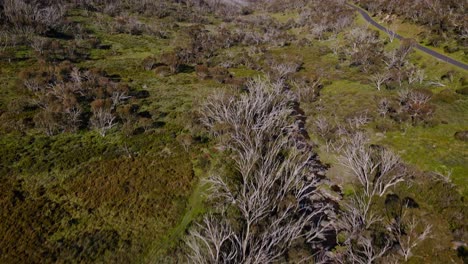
376, 169
33, 16
275, 197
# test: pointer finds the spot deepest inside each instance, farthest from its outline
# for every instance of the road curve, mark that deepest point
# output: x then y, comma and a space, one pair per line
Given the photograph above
433, 53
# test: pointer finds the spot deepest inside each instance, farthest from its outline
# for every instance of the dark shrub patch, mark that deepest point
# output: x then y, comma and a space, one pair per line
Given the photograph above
462, 135
463, 91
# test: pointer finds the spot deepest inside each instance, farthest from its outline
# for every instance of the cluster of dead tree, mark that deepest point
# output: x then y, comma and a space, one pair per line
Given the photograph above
390, 70
37, 17
412, 105
261, 30
193, 11
318, 18
444, 18
272, 203
364, 48
286, 69
325, 19
54, 51
43, 26
397, 70
32, 17
376, 225
205, 48
276, 6
202, 46
64, 98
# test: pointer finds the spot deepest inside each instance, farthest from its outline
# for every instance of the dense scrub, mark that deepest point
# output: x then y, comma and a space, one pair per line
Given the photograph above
94, 203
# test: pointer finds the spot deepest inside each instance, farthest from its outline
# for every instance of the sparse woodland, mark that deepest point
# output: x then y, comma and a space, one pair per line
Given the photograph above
210, 131
447, 19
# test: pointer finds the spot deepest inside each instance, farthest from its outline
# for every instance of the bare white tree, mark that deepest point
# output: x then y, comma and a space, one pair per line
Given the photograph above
410, 234
383, 107
444, 176
323, 127
102, 120
118, 96
360, 209
415, 75
416, 103
376, 169
76, 77
38, 44
33, 85
379, 78
391, 58
213, 241
276, 181
317, 30
284, 69
73, 115
365, 252
418, 98
359, 120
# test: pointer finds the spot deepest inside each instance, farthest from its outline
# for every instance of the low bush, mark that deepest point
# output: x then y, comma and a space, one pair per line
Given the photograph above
68, 96
446, 96
462, 135
463, 91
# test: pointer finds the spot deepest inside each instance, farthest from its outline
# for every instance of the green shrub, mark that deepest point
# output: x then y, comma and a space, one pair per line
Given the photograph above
445, 96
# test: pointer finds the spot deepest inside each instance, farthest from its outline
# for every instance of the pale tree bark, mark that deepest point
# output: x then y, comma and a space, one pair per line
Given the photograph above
213, 241
275, 183
375, 169
366, 252
102, 120
379, 78
410, 234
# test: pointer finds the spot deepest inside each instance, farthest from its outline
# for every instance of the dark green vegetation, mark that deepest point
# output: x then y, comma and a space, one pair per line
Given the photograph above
101, 151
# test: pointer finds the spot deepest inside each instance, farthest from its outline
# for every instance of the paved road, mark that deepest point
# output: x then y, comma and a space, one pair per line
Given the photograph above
433, 53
